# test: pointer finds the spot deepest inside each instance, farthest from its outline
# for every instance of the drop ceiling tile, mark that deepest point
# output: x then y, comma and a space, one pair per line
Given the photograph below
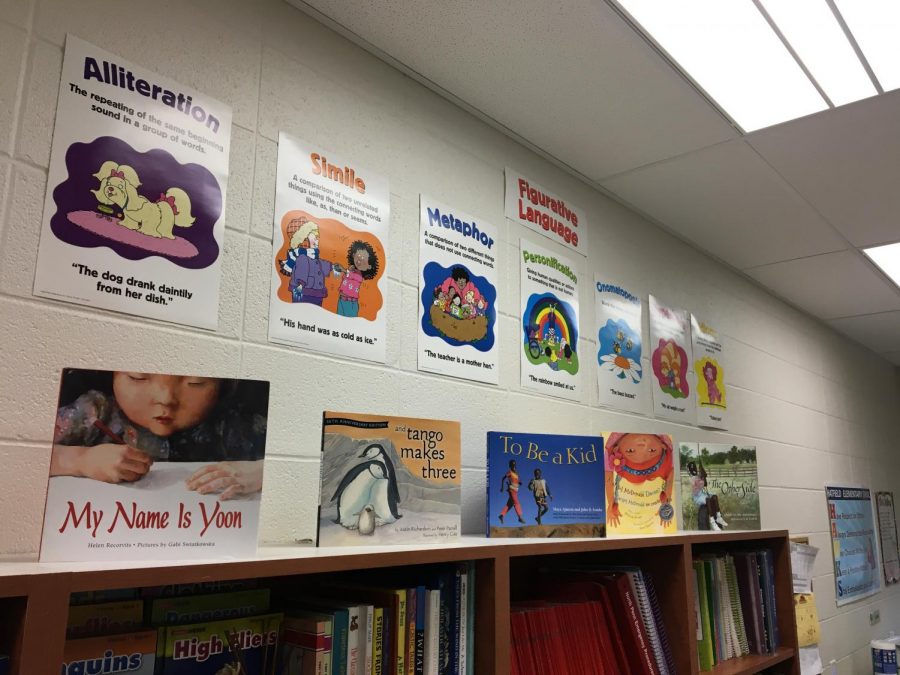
573, 78
727, 201
846, 163
879, 332
831, 285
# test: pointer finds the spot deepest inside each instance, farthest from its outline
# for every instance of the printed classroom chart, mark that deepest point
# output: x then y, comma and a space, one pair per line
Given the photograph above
620, 377
671, 361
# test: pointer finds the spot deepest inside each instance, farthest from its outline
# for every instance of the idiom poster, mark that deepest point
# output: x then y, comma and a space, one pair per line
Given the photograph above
712, 405
853, 543
528, 204
457, 293
670, 342
134, 215
621, 372
329, 257
549, 337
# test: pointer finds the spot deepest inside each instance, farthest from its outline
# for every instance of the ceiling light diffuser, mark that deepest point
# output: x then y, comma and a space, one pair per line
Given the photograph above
875, 25
887, 258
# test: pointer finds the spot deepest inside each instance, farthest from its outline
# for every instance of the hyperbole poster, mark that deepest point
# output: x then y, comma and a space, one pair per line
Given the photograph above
134, 211
621, 372
330, 246
853, 542
549, 302
670, 360
887, 527
712, 404
458, 293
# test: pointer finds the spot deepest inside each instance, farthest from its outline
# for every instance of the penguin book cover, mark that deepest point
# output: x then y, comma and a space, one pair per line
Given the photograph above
388, 480
719, 487
545, 485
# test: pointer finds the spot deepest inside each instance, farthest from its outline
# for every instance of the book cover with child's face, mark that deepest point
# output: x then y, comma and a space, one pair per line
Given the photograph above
154, 466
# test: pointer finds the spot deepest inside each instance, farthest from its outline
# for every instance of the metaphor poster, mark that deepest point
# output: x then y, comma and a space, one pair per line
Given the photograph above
621, 372
458, 293
712, 405
670, 359
329, 259
528, 204
134, 215
887, 527
549, 328
853, 542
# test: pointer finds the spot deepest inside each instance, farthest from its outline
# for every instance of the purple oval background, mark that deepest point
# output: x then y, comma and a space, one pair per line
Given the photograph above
158, 171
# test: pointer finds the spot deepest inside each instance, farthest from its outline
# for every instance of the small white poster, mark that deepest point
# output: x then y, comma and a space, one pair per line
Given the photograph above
458, 293
540, 210
670, 359
134, 215
709, 367
330, 245
887, 527
549, 302
621, 372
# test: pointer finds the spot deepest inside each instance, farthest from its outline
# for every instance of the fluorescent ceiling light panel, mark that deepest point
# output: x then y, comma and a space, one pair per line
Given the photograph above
875, 25
730, 50
887, 258
818, 39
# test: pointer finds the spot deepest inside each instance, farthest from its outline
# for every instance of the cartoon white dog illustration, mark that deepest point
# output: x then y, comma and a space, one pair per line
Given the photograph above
119, 184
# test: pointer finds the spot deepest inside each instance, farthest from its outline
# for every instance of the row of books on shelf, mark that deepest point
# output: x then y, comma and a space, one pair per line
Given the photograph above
423, 627
735, 606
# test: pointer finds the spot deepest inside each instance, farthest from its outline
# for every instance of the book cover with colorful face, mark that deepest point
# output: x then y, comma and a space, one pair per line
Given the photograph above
388, 480
640, 484
719, 487
132, 653
544, 485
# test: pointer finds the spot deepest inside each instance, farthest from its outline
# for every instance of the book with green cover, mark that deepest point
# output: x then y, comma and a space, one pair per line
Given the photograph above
705, 643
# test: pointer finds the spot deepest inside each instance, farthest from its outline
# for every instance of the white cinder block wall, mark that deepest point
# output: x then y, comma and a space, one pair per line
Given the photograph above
817, 406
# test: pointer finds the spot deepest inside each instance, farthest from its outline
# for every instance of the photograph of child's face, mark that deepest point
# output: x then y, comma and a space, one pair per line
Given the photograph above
641, 448
165, 404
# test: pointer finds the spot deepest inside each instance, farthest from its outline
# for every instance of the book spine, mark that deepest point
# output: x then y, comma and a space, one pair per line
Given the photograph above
432, 631
378, 642
635, 622
764, 602
455, 622
470, 626
366, 640
421, 611
411, 631
353, 642
339, 644
400, 643
463, 619
770, 586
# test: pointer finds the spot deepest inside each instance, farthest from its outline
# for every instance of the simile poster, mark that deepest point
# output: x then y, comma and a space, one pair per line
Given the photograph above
887, 528
134, 214
330, 246
670, 342
620, 347
709, 367
549, 338
854, 543
458, 293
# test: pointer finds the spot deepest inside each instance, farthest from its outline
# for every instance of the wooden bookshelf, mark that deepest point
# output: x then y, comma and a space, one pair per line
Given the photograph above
34, 597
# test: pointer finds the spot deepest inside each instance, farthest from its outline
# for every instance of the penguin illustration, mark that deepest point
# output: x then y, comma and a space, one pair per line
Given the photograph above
357, 493
367, 520
374, 454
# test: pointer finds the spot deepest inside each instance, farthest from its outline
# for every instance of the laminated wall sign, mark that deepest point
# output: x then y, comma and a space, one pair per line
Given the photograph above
709, 367
854, 543
621, 376
528, 204
670, 348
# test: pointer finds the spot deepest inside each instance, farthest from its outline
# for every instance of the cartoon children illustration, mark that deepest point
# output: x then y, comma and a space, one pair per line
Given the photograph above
510, 483
308, 270
459, 282
362, 265
541, 491
707, 503
710, 373
552, 357
639, 482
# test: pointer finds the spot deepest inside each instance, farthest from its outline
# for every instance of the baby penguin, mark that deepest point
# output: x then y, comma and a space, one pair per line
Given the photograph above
367, 520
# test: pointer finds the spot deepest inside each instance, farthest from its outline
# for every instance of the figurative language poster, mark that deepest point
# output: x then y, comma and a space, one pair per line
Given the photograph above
853, 541
549, 336
670, 361
712, 403
458, 293
620, 347
887, 527
329, 257
134, 215
528, 204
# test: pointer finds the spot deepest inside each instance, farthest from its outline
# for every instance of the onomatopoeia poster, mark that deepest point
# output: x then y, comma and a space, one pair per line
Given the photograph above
549, 323
670, 359
458, 294
134, 216
887, 526
534, 207
329, 253
621, 374
709, 368
853, 543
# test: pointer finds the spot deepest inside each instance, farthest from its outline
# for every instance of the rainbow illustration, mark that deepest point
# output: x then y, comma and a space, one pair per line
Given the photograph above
546, 311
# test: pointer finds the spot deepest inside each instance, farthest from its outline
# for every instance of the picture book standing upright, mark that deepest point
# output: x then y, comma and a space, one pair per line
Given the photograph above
719, 487
388, 480
544, 485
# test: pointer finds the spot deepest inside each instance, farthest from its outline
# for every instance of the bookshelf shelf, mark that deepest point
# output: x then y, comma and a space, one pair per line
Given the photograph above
34, 597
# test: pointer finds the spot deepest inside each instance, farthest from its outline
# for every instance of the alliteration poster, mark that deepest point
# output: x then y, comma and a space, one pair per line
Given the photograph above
621, 372
670, 342
549, 337
134, 215
329, 253
528, 204
458, 293
709, 368
853, 542
887, 527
